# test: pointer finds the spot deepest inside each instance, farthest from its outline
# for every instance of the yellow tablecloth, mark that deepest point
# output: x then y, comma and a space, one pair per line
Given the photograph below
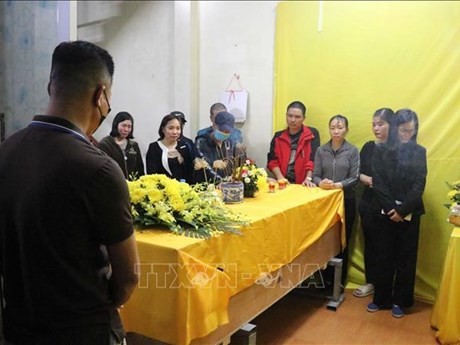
186, 283
446, 310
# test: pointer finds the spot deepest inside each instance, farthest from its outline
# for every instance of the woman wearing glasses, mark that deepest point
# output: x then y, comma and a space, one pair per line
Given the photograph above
122, 148
399, 179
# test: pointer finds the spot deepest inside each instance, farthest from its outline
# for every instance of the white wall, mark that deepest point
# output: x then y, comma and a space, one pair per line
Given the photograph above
181, 56
140, 42
238, 37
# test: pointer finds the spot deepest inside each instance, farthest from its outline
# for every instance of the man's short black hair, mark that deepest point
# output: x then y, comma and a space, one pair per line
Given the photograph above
217, 107
78, 66
298, 105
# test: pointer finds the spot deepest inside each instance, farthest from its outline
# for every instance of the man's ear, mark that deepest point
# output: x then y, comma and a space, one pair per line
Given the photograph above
97, 98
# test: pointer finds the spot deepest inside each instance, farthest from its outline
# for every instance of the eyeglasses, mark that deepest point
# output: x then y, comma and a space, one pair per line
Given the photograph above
407, 130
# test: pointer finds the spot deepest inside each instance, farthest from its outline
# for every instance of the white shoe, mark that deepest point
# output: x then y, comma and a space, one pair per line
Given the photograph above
364, 290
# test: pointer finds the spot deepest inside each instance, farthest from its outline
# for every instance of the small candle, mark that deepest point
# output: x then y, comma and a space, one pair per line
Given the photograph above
271, 187
282, 184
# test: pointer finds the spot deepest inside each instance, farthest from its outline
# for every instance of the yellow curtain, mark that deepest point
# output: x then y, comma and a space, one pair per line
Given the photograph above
353, 57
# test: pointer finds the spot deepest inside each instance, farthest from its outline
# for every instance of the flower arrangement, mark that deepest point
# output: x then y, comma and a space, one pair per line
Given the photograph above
159, 200
454, 206
253, 178
454, 194
237, 168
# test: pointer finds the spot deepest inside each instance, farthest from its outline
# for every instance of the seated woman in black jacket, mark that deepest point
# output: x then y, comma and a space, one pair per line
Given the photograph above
170, 155
121, 147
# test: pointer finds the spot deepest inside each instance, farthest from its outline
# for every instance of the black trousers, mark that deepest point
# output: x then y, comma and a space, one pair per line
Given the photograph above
397, 261
371, 245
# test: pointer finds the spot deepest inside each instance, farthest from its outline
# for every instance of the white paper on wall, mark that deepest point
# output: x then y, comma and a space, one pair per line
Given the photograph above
235, 99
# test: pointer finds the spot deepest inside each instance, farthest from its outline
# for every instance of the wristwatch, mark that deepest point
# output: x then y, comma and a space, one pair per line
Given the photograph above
309, 178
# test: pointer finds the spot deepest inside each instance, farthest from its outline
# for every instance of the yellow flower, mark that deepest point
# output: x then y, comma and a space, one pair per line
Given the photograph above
454, 194
159, 200
154, 195
137, 195
451, 195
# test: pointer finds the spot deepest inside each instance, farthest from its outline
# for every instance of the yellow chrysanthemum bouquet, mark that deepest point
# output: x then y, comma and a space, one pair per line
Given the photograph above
454, 206
454, 194
159, 200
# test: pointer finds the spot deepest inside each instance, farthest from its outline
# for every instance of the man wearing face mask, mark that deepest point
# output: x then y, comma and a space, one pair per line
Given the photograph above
217, 146
69, 254
235, 136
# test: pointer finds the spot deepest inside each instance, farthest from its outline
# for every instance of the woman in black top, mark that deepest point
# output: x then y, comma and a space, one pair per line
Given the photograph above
400, 170
170, 155
122, 148
381, 121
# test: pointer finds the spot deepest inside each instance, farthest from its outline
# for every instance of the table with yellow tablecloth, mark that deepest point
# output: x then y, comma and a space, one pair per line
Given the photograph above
186, 284
446, 310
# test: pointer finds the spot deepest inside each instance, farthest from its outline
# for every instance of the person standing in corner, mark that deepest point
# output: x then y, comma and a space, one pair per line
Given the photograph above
69, 253
400, 170
120, 145
291, 149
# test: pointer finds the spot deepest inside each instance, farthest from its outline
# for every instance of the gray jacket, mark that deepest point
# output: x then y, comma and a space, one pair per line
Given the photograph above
339, 166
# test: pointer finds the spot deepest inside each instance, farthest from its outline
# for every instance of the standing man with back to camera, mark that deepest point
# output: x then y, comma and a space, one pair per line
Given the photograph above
68, 252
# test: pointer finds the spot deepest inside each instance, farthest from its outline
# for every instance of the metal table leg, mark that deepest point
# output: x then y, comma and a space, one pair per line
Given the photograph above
337, 294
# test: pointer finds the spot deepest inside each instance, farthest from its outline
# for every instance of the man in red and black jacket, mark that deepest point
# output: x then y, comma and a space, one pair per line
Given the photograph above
292, 150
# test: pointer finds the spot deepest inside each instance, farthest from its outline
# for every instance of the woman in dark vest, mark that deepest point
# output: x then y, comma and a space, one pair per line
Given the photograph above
122, 148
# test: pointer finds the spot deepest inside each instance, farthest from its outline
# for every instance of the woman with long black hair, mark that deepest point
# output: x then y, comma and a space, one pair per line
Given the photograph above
381, 123
400, 170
